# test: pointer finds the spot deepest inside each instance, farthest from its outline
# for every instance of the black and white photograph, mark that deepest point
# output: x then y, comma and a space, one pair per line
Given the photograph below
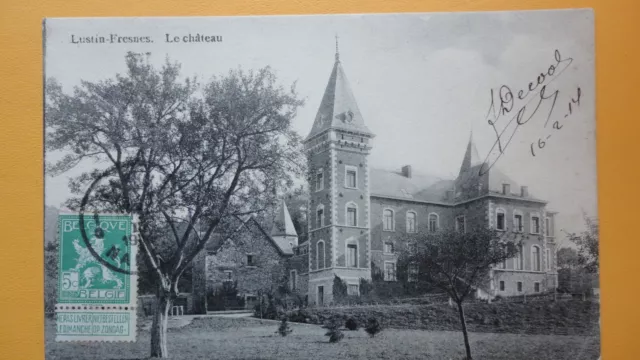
380, 186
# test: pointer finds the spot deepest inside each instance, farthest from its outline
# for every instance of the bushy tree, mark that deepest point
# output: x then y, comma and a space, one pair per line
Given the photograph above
373, 327
567, 258
457, 263
333, 330
351, 324
339, 288
588, 243
284, 329
186, 158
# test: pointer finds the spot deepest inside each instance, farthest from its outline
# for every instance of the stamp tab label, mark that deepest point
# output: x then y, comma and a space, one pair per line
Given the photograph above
85, 278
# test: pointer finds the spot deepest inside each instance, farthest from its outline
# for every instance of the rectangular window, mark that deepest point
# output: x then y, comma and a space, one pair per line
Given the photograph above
536, 287
500, 221
352, 219
548, 258
228, 275
519, 286
412, 273
352, 255
547, 226
251, 260
517, 222
351, 178
387, 220
535, 225
293, 279
353, 289
320, 218
388, 248
501, 285
460, 224
389, 271
319, 180
520, 258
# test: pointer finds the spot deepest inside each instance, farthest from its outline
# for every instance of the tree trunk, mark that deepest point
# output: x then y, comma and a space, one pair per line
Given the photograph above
464, 330
159, 325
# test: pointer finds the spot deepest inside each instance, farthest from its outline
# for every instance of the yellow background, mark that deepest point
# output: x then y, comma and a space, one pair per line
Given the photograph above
21, 181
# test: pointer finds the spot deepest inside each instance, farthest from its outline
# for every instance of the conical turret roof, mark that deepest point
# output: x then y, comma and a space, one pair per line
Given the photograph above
282, 224
338, 109
471, 156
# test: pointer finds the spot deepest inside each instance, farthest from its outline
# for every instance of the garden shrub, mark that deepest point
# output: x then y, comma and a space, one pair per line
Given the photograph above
351, 324
373, 327
284, 329
333, 331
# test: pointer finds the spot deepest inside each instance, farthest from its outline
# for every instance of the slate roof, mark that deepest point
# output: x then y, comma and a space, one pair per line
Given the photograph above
243, 225
282, 224
338, 109
390, 183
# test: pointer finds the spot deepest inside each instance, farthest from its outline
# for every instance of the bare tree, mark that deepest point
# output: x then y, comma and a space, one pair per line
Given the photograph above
457, 263
185, 158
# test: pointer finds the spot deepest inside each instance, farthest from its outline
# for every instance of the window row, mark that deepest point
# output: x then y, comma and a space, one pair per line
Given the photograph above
350, 178
535, 263
351, 215
518, 225
503, 287
351, 255
389, 221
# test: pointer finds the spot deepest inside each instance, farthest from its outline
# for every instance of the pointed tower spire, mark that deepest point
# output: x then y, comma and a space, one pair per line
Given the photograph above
471, 156
338, 109
282, 224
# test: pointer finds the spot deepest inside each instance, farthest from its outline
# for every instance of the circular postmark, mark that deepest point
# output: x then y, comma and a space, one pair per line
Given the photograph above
113, 258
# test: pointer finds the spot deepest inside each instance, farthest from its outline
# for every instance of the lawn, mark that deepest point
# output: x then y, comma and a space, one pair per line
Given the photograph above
246, 338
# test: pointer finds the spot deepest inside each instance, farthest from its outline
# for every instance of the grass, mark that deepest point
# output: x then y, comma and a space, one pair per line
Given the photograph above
246, 338
574, 317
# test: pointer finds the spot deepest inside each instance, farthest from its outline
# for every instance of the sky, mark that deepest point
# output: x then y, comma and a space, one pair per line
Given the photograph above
422, 82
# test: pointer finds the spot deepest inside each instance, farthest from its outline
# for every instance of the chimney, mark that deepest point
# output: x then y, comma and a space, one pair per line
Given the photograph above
524, 191
406, 171
506, 189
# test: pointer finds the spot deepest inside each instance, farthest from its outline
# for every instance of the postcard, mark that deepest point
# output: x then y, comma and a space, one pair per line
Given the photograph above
381, 186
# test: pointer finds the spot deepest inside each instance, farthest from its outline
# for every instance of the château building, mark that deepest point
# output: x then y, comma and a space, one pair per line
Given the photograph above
357, 215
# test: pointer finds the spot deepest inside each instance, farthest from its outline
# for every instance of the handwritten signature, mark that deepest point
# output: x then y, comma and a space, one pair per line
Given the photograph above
503, 112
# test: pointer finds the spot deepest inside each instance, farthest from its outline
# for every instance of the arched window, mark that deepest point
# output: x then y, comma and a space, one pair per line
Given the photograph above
434, 222
501, 223
411, 221
319, 216
351, 213
388, 221
320, 255
535, 258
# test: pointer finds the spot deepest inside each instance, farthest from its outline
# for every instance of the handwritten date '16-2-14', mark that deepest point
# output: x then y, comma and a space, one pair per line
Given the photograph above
510, 110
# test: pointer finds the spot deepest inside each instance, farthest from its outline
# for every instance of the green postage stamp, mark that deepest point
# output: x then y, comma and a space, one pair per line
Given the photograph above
97, 280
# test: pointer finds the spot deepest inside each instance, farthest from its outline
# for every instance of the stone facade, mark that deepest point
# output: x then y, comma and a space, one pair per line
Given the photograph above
358, 216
